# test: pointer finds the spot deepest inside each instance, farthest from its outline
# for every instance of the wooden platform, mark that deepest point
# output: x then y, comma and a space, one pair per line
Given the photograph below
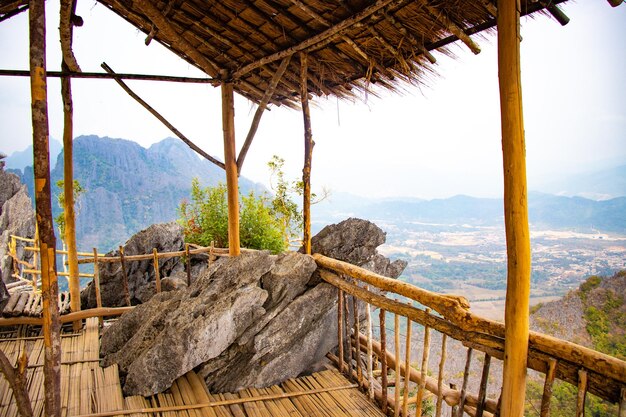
88, 389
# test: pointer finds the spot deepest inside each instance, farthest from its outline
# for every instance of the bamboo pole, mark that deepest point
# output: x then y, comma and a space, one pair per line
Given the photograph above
383, 359
442, 362
357, 343
230, 162
96, 280
396, 331
124, 277
68, 186
162, 119
162, 255
157, 273
340, 327
547, 388
407, 366
370, 358
482, 391
188, 264
515, 210
424, 371
107, 76
79, 315
466, 372
347, 327
308, 154
43, 205
582, 393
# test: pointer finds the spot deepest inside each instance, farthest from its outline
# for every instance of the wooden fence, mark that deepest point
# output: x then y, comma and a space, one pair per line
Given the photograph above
414, 308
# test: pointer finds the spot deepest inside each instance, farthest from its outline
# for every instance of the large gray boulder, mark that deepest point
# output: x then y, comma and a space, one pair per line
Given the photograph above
165, 237
17, 217
247, 321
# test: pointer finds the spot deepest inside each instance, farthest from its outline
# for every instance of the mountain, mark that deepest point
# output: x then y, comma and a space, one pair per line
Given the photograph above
545, 211
129, 187
597, 184
22, 159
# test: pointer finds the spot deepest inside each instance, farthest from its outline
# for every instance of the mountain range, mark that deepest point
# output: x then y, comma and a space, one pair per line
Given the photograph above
130, 187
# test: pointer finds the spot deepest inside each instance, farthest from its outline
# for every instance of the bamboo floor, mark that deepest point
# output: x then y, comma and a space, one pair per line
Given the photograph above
89, 390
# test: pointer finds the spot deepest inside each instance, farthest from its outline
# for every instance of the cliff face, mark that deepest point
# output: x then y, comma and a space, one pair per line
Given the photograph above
129, 187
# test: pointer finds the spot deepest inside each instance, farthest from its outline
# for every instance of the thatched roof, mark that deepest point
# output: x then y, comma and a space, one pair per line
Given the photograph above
350, 43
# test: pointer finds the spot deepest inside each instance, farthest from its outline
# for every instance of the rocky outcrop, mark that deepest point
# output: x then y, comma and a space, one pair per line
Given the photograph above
17, 217
165, 237
250, 321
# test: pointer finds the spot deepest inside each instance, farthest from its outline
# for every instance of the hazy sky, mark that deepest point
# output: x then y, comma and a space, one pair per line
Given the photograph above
432, 141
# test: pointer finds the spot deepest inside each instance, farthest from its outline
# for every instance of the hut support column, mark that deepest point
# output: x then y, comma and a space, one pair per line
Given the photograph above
515, 210
43, 205
230, 161
308, 155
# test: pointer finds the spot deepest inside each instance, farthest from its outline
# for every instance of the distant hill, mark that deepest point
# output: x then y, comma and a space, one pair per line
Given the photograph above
22, 159
130, 187
545, 211
598, 184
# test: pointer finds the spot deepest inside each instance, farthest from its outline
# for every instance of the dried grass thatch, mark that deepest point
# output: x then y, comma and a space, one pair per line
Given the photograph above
350, 43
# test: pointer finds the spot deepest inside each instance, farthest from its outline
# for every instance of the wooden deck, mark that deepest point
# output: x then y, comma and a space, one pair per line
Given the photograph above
88, 389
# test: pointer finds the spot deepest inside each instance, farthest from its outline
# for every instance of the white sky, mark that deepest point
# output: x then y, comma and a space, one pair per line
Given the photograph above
435, 141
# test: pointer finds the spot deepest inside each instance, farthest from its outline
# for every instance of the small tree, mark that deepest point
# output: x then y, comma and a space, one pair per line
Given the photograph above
205, 219
60, 219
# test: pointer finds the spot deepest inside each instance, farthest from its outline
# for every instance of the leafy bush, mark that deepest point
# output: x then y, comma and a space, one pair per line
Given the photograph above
205, 219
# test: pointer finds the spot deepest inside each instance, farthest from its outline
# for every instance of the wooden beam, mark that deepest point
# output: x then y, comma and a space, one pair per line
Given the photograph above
43, 206
117, 75
450, 25
178, 41
317, 40
228, 126
308, 154
515, 210
65, 34
267, 96
79, 315
162, 119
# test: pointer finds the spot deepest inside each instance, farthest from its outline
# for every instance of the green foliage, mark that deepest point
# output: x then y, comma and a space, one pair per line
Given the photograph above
205, 219
284, 208
589, 284
78, 191
563, 403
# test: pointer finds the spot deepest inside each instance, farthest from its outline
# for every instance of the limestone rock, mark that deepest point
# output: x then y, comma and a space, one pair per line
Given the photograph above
165, 237
17, 217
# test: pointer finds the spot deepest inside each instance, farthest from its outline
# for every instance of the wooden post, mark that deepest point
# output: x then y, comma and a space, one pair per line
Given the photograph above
515, 210
466, 372
96, 280
407, 369
442, 362
230, 161
482, 392
188, 256
396, 340
383, 359
157, 274
582, 393
43, 205
340, 328
68, 194
124, 276
308, 154
546, 398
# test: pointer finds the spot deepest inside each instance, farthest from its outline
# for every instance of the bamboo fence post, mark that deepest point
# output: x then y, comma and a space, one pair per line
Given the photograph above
515, 210
69, 62
357, 343
407, 367
455, 408
547, 388
424, 370
230, 162
124, 276
96, 280
383, 359
396, 331
582, 393
442, 362
188, 264
35, 257
308, 153
340, 328
482, 392
347, 327
622, 403
43, 205
370, 359
465, 379
157, 273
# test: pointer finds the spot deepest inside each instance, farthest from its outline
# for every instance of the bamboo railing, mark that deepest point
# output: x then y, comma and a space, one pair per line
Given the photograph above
588, 370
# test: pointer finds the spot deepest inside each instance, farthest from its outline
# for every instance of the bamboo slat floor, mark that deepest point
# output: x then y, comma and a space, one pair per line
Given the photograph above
89, 390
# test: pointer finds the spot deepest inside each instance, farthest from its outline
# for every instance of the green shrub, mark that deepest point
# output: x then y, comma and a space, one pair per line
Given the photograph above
205, 219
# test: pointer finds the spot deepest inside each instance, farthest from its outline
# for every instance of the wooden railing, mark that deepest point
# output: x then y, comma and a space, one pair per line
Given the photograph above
361, 290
